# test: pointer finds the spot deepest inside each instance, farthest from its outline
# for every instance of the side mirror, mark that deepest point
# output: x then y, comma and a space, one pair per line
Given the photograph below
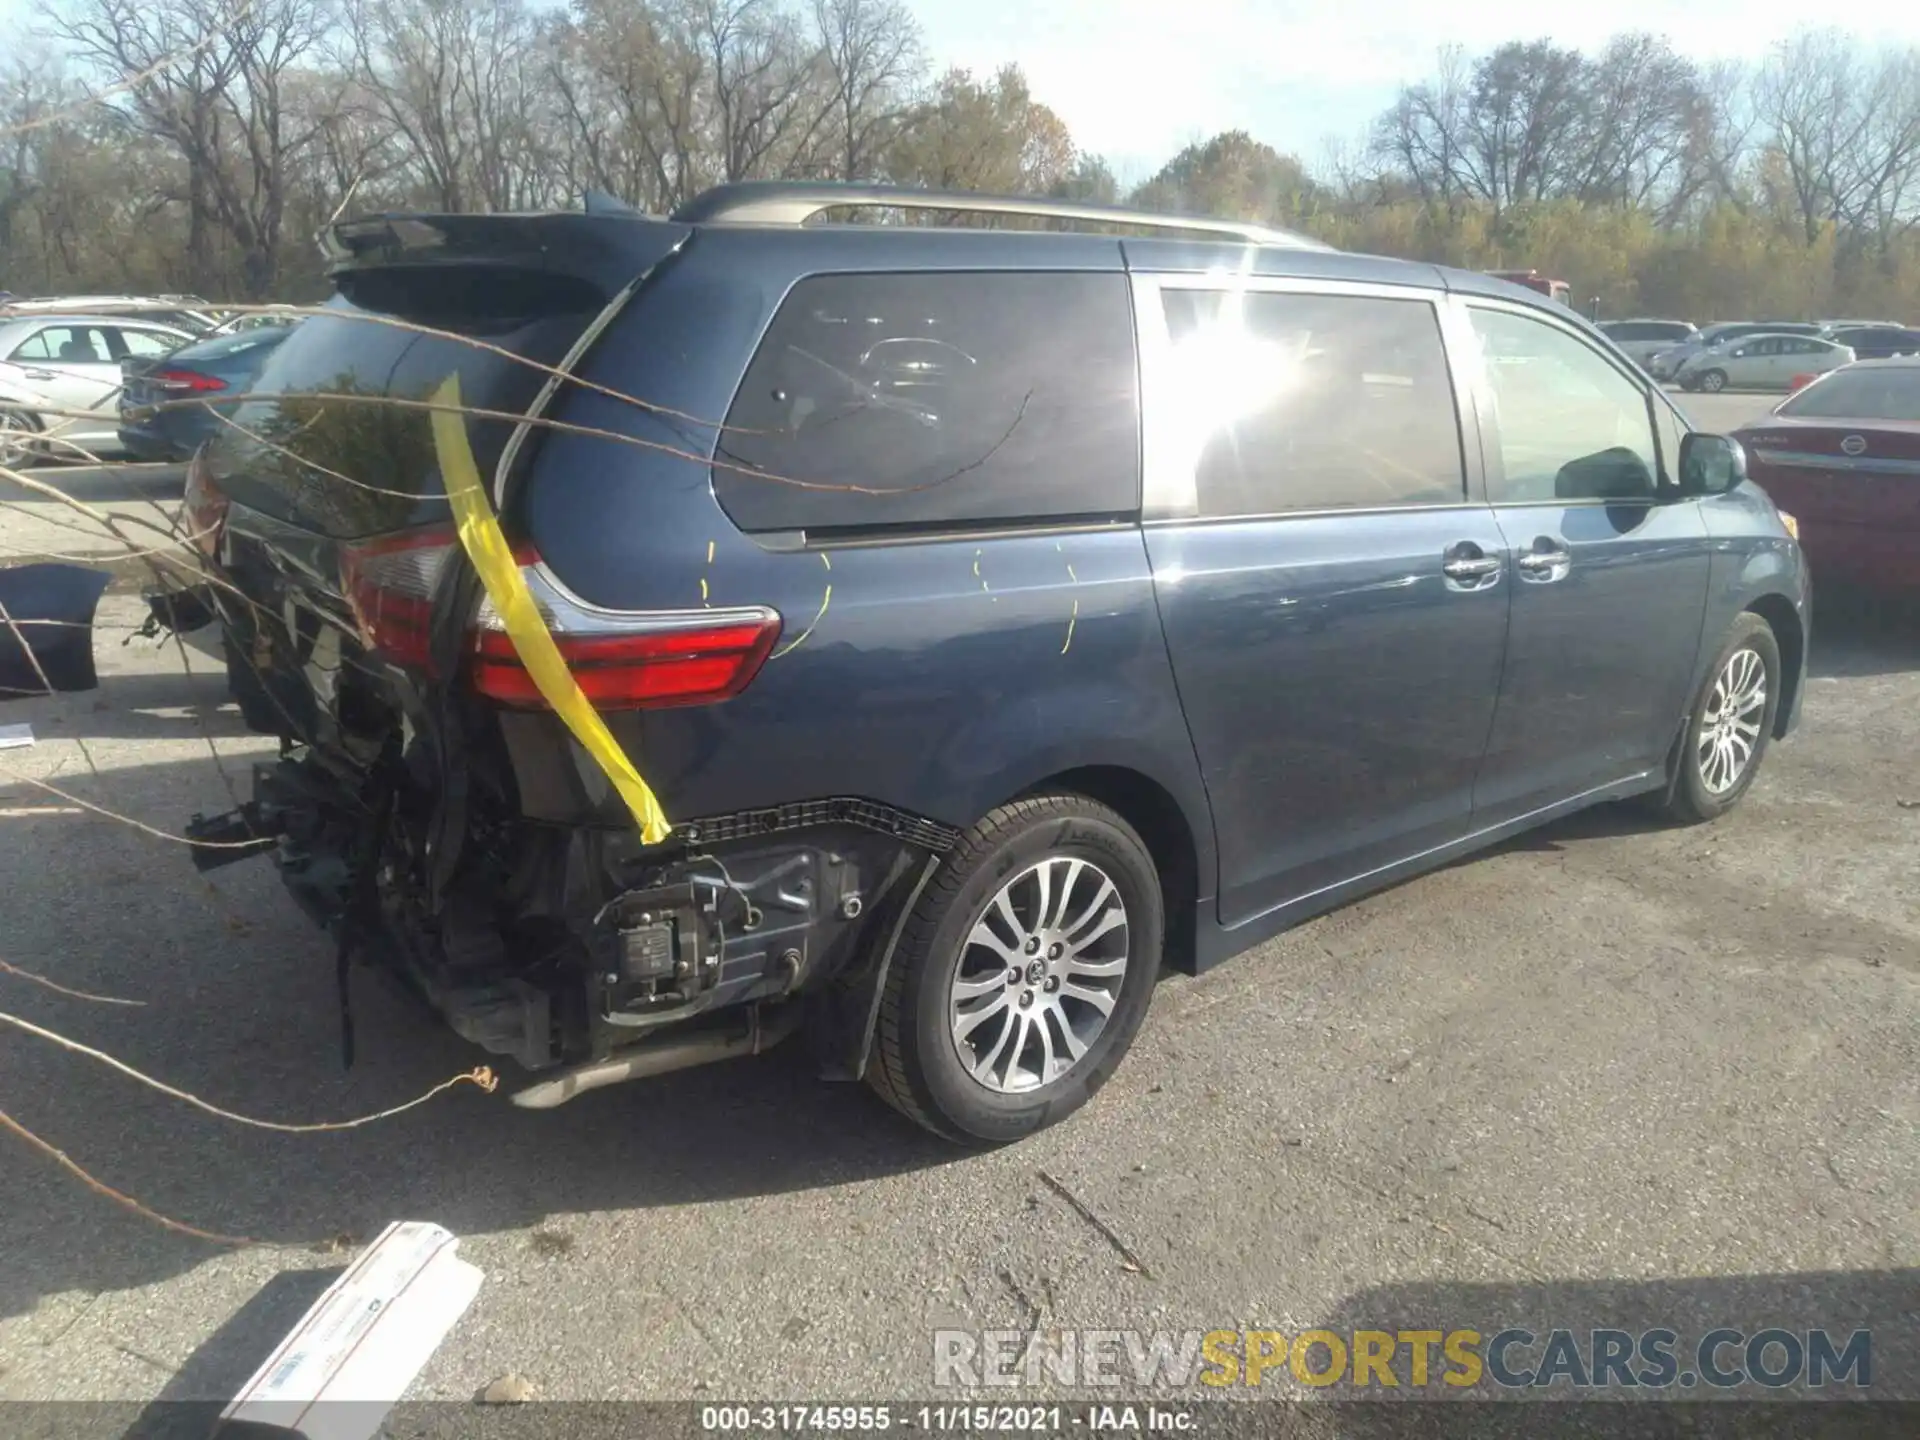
1711, 464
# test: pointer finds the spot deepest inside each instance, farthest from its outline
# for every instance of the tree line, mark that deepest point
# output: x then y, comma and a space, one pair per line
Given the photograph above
199, 145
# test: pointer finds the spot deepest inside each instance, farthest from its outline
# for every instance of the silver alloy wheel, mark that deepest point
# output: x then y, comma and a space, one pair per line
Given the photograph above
1730, 729
1039, 975
14, 430
1713, 381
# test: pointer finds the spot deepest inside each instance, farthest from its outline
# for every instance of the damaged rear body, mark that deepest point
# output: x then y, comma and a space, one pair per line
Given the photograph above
819, 723
427, 810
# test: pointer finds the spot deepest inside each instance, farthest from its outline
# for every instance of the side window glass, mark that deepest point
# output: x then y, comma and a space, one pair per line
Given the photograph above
1293, 402
145, 342
66, 345
935, 399
1571, 426
37, 346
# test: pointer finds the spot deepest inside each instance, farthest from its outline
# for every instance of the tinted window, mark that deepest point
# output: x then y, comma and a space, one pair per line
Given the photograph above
1885, 393
1314, 402
1647, 330
1572, 427
294, 417
947, 398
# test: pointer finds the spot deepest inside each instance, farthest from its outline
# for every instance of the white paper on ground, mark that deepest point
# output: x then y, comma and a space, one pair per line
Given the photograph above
14, 736
352, 1356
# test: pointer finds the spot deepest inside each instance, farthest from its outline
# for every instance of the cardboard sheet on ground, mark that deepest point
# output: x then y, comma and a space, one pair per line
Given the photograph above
353, 1355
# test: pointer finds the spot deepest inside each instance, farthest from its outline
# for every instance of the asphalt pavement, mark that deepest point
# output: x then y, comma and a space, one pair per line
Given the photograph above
1606, 1074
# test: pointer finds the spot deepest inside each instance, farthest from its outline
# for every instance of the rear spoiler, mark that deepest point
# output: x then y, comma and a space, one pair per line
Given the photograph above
603, 250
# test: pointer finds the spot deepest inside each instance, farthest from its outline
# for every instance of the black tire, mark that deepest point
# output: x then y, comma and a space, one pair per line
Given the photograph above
1693, 799
916, 1064
1713, 381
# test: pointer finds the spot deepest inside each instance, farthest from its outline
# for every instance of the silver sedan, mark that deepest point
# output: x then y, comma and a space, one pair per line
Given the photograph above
1761, 362
60, 380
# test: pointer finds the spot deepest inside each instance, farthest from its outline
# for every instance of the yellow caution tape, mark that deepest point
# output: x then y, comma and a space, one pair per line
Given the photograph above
480, 537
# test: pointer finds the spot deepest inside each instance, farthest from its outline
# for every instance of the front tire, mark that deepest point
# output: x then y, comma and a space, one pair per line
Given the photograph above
1714, 381
1023, 973
16, 443
1731, 722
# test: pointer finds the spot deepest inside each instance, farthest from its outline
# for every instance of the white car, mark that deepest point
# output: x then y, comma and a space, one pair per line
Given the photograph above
177, 312
1761, 362
60, 380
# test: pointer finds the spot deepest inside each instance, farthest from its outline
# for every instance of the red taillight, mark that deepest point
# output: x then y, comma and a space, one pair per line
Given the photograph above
658, 662
389, 586
185, 382
205, 507
696, 665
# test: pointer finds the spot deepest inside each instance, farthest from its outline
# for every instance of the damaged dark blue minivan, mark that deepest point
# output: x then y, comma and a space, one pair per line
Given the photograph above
999, 614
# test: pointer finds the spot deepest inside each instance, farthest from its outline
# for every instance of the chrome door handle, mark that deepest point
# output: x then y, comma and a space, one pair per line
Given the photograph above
1543, 559
39, 374
1473, 569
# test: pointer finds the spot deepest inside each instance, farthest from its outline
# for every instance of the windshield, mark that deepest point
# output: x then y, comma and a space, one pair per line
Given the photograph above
1890, 394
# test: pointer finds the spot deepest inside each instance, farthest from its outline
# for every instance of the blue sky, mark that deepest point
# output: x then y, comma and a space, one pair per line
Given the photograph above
1137, 79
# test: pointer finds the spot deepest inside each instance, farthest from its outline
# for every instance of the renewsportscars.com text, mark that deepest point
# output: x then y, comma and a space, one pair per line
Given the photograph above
1511, 1359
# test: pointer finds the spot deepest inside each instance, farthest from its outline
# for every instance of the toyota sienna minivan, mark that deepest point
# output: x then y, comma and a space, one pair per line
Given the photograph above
996, 615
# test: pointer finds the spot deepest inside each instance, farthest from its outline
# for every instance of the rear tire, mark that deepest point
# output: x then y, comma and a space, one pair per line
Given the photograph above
1022, 974
1729, 726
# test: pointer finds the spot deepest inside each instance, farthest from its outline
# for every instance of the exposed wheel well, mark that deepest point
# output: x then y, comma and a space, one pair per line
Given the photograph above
1784, 621
1146, 806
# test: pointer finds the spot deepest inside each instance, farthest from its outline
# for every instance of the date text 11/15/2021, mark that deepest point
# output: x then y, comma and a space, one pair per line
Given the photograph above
956, 1419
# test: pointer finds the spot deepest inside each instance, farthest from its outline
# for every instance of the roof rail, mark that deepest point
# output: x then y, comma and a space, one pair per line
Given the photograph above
794, 202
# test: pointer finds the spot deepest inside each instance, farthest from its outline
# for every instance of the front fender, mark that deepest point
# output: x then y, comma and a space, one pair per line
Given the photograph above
1758, 566
14, 395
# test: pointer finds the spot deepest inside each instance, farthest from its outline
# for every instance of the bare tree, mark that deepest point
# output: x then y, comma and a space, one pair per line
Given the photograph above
1424, 135
871, 51
208, 77
459, 81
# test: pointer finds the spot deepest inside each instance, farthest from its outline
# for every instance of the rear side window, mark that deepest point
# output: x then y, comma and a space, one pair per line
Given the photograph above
1866, 393
67, 344
937, 400
1314, 402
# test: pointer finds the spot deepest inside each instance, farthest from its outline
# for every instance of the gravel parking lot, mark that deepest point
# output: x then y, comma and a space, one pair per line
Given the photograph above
1606, 1075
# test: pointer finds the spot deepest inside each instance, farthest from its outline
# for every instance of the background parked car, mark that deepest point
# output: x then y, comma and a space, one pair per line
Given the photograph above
1666, 364
1762, 362
187, 313
1843, 455
205, 370
54, 364
1641, 340
1829, 327
1878, 342
255, 320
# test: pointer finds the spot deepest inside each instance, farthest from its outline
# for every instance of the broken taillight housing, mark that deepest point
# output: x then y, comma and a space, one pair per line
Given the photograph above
621, 660
205, 507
